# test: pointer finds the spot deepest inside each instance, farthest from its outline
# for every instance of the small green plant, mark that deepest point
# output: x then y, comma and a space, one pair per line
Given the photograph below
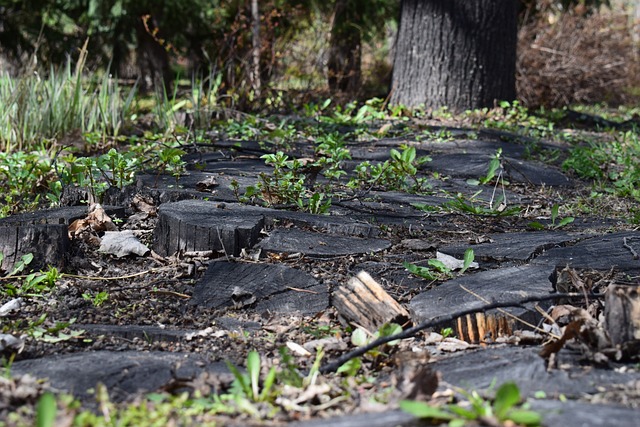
51, 334
320, 331
495, 165
7, 364
467, 260
248, 385
613, 165
514, 117
98, 299
555, 224
504, 407
436, 270
287, 182
446, 332
361, 337
460, 204
331, 152
400, 172
170, 161
33, 284
440, 135
317, 204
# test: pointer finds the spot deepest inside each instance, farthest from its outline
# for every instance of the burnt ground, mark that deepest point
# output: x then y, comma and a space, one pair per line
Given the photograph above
222, 278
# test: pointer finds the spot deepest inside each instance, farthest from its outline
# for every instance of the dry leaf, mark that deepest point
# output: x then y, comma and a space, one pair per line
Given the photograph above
143, 205
122, 243
452, 263
207, 184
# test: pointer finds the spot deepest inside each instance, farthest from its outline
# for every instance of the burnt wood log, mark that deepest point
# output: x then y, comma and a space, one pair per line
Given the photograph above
319, 245
363, 301
599, 253
494, 285
260, 287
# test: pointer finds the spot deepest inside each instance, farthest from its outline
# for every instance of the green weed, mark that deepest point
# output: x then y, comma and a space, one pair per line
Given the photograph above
33, 284
98, 299
504, 407
613, 166
37, 108
400, 172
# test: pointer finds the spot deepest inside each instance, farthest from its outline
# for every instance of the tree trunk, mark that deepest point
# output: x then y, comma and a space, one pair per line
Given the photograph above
458, 54
345, 50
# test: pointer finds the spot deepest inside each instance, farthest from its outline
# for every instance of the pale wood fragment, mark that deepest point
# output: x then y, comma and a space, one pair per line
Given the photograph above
364, 302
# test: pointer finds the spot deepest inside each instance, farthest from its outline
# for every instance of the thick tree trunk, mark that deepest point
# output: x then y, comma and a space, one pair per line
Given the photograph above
345, 50
458, 54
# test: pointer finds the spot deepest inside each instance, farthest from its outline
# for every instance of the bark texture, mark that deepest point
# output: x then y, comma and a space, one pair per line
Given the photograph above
458, 54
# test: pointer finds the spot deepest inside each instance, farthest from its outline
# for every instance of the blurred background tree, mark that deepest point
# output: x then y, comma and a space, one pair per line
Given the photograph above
322, 47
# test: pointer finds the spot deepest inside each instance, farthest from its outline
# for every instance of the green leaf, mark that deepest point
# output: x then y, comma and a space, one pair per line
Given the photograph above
241, 379
465, 413
438, 265
507, 396
389, 329
350, 367
554, 213
46, 410
359, 337
424, 410
409, 154
268, 383
524, 417
423, 272
565, 221
458, 422
469, 256
536, 225
253, 368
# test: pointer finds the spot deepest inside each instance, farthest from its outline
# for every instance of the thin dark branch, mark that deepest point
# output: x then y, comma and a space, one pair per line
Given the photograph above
439, 321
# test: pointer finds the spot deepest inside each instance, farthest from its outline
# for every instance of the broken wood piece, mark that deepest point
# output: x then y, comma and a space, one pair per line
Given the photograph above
622, 318
363, 301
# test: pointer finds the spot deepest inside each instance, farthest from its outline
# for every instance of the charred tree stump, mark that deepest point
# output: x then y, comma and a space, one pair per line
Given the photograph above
622, 318
363, 301
48, 243
204, 227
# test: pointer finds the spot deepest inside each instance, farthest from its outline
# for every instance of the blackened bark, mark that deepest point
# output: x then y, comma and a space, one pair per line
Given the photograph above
345, 51
458, 54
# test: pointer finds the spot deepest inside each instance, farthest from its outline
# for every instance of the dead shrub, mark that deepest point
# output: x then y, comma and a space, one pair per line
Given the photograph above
577, 60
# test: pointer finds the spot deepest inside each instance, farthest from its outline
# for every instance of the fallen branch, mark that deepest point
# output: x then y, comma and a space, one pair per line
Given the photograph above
439, 321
